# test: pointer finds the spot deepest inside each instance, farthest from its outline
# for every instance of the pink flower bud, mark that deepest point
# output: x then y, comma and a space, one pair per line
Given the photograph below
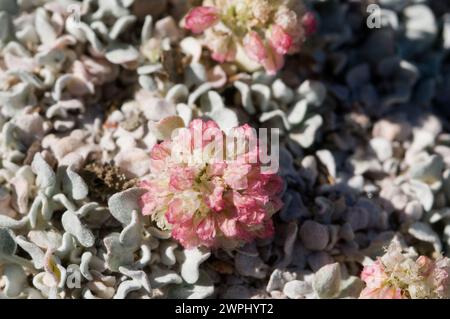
254, 47
309, 22
201, 18
280, 40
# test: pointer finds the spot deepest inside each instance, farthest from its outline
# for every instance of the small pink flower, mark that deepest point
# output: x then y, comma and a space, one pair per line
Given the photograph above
374, 275
309, 22
280, 40
254, 47
201, 18
215, 202
206, 230
273, 62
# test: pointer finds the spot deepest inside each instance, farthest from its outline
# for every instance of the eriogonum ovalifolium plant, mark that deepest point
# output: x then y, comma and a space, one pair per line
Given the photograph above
210, 190
267, 30
398, 276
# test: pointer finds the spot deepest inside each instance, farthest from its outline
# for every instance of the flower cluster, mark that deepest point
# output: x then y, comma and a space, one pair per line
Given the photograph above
398, 276
210, 189
266, 29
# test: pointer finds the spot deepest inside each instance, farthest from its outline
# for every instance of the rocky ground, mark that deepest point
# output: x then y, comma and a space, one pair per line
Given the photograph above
363, 114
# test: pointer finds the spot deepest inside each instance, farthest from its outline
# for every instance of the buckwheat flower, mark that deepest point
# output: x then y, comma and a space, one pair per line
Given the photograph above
201, 18
254, 47
397, 275
209, 188
280, 40
264, 30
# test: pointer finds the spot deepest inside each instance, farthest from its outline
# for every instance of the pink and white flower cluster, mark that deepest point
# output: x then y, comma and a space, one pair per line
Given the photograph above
208, 191
266, 29
398, 276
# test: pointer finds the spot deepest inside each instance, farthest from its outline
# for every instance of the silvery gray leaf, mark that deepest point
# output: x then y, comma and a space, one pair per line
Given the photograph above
439, 214
298, 112
177, 94
150, 69
306, 136
261, 95
138, 276
37, 255
167, 253
51, 239
132, 233
84, 265
246, 98
73, 225
185, 112
161, 277
202, 89
119, 53
266, 116
110, 7
15, 280
195, 75
10, 6
44, 28
203, 288
122, 204
121, 25
6, 27
192, 258
11, 223
282, 92
46, 177
16, 98
148, 83
192, 47
147, 29
117, 254
313, 91
67, 245
327, 159
126, 287
74, 185
211, 102
8, 245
